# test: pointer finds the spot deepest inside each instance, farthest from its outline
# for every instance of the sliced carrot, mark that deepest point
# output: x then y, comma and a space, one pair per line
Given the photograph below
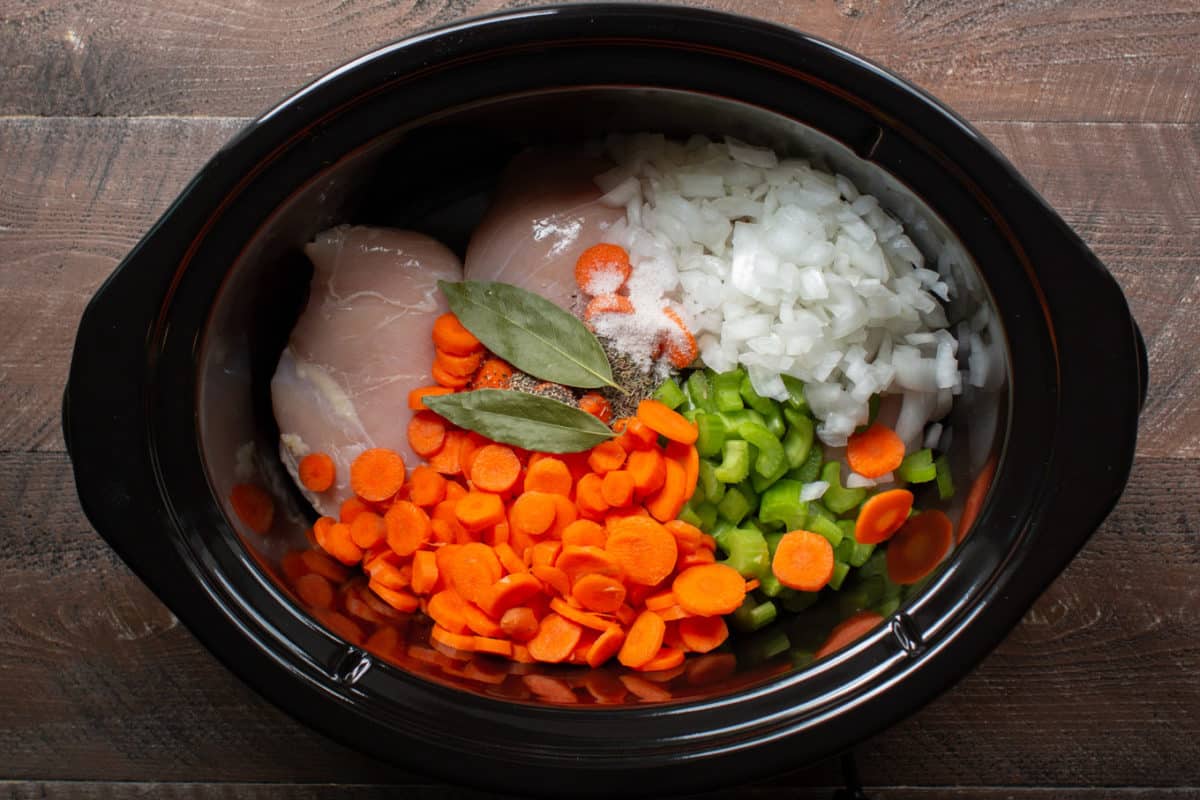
545, 553
752, 584
673, 613
580, 561
426, 486
447, 608
317, 472
293, 567
468, 446
553, 577
479, 621
849, 630
584, 533
584, 618
416, 397
874, 452
496, 647
509, 558
702, 634
657, 602
454, 490
479, 510
447, 460
384, 642
709, 590
450, 336
597, 592
510, 591
325, 566
665, 659
336, 540
519, 623
680, 343
253, 506
424, 572
351, 507
606, 457
919, 546
607, 304
565, 513
803, 561
495, 468
388, 574
472, 570
398, 599
463, 642
426, 433
644, 549
533, 513
689, 457
459, 366
637, 435
607, 645
617, 488
625, 614
665, 504
555, 640
314, 590
377, 474
408, 527
882, 515
643, 640
687, 536
602, 268
368, 530
666, 422
548, 475
493, 373
597, 405
340, 624
973, 503
589, 494
708, 543
648, 468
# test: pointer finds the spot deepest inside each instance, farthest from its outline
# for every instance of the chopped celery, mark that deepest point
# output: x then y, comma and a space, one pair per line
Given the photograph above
711, 434
821, 525
669, 394
735, 461
733, 419
699, 392
751, 616
774, 421
773, 541
688, 514
709, 483
770, 449
847, 526
798, 442
945, 483
753, 399
840, 570
735, 505
763, 482
887, 606
769, 585
917, 467
688, 411
860, 594
796, 398
860, 554
720, 529
795, 601
816, 507
782, 503
763, 647
837, 498
810, 470
746, 551
793, 417
844, 549
707, 512
727, 393
876, 564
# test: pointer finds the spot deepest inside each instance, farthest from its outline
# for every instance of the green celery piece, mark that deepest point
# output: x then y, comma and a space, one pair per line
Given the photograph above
669, 394
747, 552
817, 508
713, 487
782, 503
711, 434
752, 616
727, 390
945, 483
770, 450
837, 498
773, 541
689, 515
844, 549
707, 512
876, 564
770, 585
698, 390
873, 408
733, 419
798, 442
795, 601
774, 421
860, 554
753, 399
796, 398
840, 570
764, 647
860, 594
888, 606
793, 417
847, 526
735, 461
810, 470
720, 531
830, 530
734, 506
763, 482
917, 467
689, 411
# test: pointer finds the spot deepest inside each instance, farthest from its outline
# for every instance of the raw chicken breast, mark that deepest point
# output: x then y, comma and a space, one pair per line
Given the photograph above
361, 344
545, 213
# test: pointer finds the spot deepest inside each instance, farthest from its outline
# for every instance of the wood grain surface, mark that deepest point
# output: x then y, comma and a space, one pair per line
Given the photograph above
107, 107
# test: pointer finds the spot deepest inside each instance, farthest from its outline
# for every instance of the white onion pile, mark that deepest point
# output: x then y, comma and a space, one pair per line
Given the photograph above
789, 270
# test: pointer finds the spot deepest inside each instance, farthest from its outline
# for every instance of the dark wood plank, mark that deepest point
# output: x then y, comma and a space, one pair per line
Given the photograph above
1107, 60
1098, 686
75, 195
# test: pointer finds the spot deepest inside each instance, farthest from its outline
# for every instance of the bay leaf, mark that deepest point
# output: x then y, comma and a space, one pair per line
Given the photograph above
531, 333
524, 420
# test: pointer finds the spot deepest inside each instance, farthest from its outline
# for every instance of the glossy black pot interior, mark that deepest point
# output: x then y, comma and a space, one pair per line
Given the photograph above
168, 406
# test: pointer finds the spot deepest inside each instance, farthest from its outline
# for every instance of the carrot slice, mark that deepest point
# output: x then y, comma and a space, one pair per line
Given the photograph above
709, 590
595, 404
803, 561
335, 539
617, 488
680, 343
919, 546
426, 433
459, 366
580, 561
493, 373
317, 472
416, 397
450, 336
973, 503
253, 506
496, 647
424, 572
666, 658
447, 460
388, 574
553, 577
849, 630
519, 623
689, 457
408, 528
455, 641
340, 624
589, 494
478, 621
602, 269
368, 530
377, 474
607, 304
597, 592
874, 452
667, 502
565, 513
495, 468
479, 510
510, 591
702, 634
584, 533
637, 435
548, 475
882, 515
645, 550
314, 590
673, 613
643, 640
351, 507
545, 553
648, 468
533, 513
472, 570
555, 640
687, 536
325, 566
584, 618
607, 645
398, 599
657, 602
606, 457
661, 419
447, 608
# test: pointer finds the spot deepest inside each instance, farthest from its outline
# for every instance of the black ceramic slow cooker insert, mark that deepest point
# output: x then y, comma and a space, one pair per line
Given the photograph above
168, 392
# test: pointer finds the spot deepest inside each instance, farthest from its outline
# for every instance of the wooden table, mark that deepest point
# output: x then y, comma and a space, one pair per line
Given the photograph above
108, 106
